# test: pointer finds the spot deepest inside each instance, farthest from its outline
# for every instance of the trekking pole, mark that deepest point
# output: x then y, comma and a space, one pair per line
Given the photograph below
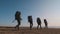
13, 21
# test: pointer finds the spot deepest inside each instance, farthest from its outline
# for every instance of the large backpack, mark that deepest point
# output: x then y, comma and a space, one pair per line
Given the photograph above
29, 18
17, 15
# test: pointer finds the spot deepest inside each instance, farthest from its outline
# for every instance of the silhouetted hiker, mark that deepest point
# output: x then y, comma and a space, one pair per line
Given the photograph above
18, 18
38, 22
30, 21
45, 21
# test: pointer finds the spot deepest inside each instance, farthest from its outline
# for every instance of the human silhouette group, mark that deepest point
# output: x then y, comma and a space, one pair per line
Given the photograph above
30, 20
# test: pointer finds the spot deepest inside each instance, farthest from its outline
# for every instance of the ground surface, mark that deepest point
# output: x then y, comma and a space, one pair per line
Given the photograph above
26, 30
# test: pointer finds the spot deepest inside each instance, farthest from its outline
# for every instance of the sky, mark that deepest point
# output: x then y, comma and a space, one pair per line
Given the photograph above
44, 9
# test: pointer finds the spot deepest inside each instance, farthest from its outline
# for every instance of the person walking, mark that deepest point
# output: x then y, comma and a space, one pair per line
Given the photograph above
38, 22
30, 20
46, 24
18, 18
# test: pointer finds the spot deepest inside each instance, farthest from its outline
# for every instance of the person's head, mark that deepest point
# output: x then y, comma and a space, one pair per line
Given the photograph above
38, 18
44, 19
18, 12
29, 17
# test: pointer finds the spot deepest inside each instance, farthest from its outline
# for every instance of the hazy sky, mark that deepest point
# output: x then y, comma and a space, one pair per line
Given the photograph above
45, 9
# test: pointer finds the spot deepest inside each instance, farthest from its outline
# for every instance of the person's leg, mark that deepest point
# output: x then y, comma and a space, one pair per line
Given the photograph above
40, 25
46, 26
17, 26
37, 26
30, 26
